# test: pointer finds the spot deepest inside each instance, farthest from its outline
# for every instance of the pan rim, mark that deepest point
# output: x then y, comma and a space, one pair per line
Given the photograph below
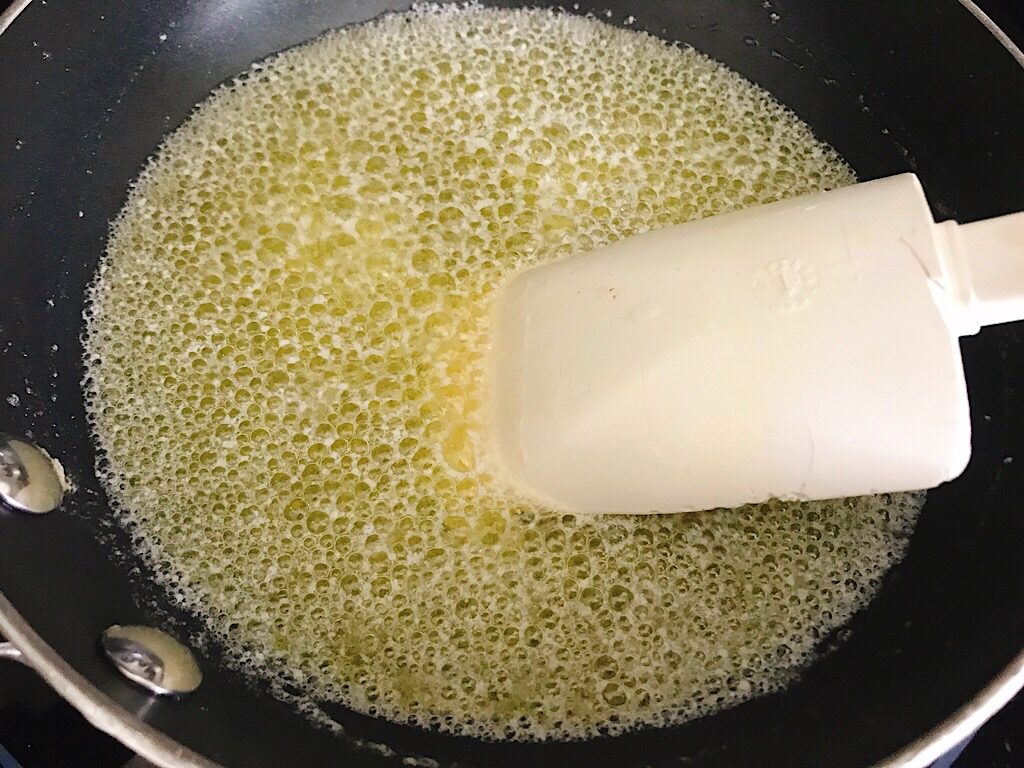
95, 706
108, 716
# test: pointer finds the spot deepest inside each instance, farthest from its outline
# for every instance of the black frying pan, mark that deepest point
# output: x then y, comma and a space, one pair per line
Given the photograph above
87, 91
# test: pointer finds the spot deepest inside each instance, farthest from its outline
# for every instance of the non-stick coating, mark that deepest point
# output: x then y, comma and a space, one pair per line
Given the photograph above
89, 89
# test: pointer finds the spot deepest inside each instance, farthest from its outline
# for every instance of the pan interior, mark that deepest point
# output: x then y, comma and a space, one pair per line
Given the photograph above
284, 353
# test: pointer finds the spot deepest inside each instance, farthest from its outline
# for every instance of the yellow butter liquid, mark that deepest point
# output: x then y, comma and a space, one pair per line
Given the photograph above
285, 350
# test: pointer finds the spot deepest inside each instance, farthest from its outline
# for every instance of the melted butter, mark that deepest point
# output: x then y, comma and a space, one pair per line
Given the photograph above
285, 348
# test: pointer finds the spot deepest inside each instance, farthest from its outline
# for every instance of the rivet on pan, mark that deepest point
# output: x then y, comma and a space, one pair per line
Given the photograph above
152, 659
30, 481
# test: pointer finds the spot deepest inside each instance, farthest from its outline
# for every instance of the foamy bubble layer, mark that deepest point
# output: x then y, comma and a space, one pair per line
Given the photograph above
285, 348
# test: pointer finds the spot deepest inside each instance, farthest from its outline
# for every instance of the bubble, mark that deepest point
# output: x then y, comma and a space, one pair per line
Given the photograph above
285, 358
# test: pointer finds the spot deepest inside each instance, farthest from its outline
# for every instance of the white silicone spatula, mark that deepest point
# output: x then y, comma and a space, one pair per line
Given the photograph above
805, 349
